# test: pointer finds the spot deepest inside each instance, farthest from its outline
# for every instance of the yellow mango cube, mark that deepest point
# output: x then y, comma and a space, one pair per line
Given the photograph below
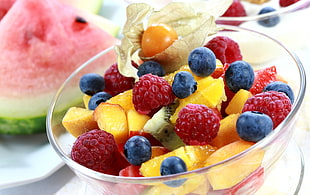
237, 102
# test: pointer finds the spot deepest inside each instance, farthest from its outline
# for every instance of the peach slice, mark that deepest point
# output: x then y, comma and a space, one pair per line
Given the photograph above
112, 118
123, 99
231, 173
78, 121
227, 132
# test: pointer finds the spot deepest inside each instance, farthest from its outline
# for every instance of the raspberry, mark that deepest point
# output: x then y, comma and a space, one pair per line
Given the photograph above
197, 124
273, 103
285, 3
262, 78
225, 49
96, 150
236, 9
150, 93
116, 83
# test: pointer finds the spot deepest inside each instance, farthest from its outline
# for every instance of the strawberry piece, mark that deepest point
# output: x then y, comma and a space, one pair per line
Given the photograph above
131, 171
285, 3
262, 78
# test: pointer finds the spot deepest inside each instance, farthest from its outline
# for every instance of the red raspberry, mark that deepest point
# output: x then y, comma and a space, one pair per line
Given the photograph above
225, 49
262, 78
236, 9
275, 104
97, 150
116, 83
285, 3
150, 93
197, 124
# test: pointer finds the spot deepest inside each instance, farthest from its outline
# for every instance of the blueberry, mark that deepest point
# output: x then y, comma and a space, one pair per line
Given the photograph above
281, 87
270, 21
137, 150
97, 98
183, 84
92, 83
239, 75
173, 165
202, 61
253, 126
152, 67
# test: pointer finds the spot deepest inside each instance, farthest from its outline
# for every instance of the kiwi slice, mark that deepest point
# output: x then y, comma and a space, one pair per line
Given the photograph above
162, 130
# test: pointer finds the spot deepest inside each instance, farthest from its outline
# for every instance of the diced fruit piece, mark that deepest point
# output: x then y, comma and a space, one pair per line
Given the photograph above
239, 75
103, 157
197, 124
130, 171
78, 121
112, 118
219, 69
253, 126
86, 99
251, 183
169, 78
210, 92
193, 156
54, 32
237, 102
156, 38
202, 61
135, 120
159, 127
196, 184
262, 78
227, 132
229, 174
159, 150
123, 99
137, 150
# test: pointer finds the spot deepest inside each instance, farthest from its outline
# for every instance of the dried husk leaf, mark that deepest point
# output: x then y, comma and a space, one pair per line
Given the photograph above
193, 22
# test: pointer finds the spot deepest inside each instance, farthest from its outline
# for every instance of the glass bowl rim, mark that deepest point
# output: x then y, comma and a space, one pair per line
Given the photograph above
148, 180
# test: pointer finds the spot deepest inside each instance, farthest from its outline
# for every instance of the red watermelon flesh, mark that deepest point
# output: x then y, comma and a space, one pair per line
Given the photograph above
42, 43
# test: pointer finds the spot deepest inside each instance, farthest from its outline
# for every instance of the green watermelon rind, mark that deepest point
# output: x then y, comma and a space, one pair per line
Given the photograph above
16, 126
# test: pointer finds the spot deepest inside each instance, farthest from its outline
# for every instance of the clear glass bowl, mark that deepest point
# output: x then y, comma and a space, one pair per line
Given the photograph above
291, 21
200, 181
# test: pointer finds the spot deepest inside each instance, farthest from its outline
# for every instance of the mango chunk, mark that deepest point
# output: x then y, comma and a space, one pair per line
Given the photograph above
210, 92
112, 118
193, 156
227, 132
123, 99
237, 102
136, 121
78, 121
229, 174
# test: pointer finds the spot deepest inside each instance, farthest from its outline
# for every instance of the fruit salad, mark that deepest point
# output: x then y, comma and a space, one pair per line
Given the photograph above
160, 114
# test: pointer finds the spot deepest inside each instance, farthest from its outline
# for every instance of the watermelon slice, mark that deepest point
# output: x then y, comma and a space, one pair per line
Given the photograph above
42, 42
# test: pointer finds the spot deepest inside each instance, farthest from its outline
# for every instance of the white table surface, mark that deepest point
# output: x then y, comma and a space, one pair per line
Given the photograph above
64, 182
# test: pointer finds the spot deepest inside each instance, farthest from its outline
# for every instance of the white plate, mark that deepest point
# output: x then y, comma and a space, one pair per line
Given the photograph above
25, 159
